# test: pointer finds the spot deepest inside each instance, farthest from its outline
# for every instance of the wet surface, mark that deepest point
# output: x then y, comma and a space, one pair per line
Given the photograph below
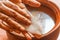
41, 23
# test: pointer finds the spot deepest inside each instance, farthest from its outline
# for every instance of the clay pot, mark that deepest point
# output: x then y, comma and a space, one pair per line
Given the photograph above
52, 10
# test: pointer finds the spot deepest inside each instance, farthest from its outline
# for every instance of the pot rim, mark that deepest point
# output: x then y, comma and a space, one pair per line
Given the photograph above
56, 10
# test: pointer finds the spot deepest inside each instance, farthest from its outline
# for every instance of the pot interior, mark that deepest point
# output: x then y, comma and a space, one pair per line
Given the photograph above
43, 20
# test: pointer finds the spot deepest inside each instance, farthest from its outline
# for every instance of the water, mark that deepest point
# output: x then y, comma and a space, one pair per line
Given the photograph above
41, 23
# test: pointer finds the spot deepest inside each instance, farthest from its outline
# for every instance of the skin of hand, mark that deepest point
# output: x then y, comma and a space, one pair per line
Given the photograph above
32, 3
20, 14
14, 18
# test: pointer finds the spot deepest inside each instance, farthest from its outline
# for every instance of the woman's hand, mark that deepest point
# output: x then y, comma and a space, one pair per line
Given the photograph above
14, 18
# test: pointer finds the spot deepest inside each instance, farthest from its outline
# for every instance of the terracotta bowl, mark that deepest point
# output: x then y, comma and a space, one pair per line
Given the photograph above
53, 11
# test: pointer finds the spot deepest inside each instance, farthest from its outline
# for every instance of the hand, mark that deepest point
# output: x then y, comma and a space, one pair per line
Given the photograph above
13, 18
32, 3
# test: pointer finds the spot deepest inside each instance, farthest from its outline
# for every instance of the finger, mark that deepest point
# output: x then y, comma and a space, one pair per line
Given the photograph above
17, 8
14, 14
11, 22
15, 25
31, 34
4, 27
28, 37
21, 5
32, 3
8, 29
18, 2
37, 36
7, 26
